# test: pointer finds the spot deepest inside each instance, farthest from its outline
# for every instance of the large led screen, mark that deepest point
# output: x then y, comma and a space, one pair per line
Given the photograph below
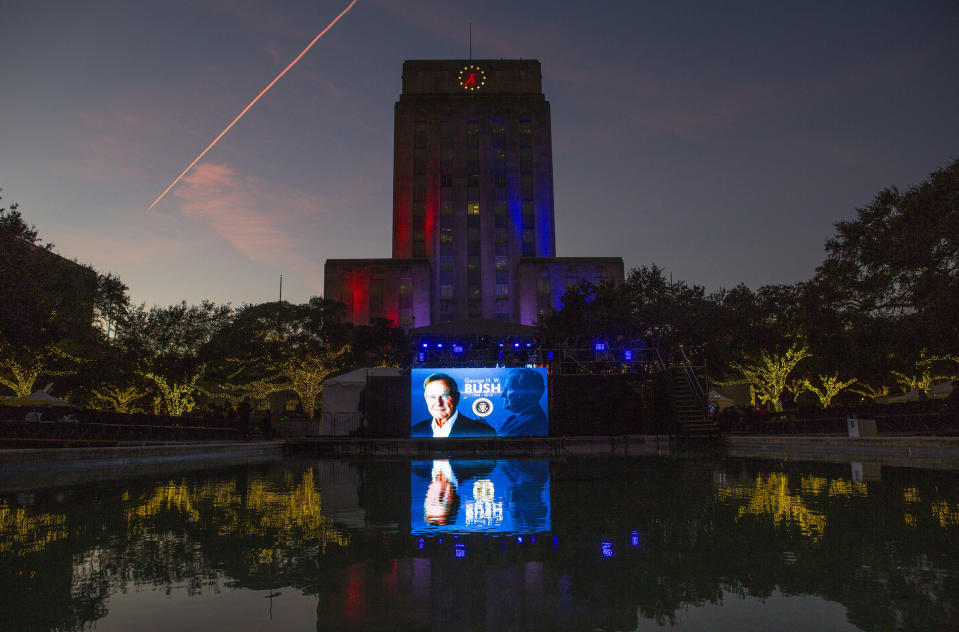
459, 496
500, 402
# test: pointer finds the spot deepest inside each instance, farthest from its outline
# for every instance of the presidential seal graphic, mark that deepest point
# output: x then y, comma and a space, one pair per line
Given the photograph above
482, 407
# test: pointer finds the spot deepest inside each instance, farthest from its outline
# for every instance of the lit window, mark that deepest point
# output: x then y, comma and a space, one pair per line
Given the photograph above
446, 235
502, 263
472, 208
502, 290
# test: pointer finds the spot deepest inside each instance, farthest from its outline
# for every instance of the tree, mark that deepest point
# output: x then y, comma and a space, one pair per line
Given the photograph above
829, 387
767, 374
112, 303
20, 368
898, 262
922, 376
123, 399
176, 397
302, 373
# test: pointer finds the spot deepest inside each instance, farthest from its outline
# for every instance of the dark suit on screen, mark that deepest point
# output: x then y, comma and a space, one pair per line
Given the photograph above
464, 427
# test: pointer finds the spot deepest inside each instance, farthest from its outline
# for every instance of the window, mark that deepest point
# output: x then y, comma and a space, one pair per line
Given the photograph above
446, 291
502, 263
472, 208
526, 160
499, 180
499, 220
446, 207
502, 290
446, 263
472, 134
473, 180
499, 134
526, 187
543, 294
446, 179
446, 235
376, 297
419, 134
525, 134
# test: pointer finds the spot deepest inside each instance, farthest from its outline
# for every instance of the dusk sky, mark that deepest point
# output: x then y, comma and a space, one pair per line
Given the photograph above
720, 141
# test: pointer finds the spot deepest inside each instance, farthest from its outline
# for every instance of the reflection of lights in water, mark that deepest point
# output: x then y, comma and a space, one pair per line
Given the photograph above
422, 544
460, 550
607, 548
484, 511
634, 539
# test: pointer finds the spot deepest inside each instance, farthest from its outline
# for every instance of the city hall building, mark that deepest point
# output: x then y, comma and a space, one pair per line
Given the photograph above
473, 221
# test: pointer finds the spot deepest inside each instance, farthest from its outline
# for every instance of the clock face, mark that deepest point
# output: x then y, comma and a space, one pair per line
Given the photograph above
472, 78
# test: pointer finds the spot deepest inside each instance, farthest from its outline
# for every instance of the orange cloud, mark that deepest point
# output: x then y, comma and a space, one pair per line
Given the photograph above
248, 212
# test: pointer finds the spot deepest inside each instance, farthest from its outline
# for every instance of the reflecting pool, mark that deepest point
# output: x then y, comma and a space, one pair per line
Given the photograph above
577, 544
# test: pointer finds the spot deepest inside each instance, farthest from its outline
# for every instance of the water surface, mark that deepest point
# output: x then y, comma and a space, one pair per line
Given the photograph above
580, 544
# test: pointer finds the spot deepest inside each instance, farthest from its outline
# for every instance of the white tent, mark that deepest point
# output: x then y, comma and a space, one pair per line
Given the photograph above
720, 401
37, 398
911, 396
341, 400
943, 389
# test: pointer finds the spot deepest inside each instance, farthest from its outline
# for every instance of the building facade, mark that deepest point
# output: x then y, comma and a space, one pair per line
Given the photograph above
472, 200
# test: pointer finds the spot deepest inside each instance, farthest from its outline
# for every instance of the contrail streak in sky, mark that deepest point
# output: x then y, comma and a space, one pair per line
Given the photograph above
257, 98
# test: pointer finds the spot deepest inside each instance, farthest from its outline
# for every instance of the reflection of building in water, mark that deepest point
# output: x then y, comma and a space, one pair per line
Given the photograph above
484, 511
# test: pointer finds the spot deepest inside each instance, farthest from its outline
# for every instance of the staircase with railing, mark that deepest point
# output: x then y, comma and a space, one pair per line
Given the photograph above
687, 393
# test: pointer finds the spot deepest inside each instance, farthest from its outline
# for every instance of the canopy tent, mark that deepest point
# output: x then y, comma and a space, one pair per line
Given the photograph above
342, 396
912, 396
720, 401
941, 390
36, 398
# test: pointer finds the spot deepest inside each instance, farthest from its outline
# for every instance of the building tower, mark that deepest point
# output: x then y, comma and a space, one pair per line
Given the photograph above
473, 180
473, 229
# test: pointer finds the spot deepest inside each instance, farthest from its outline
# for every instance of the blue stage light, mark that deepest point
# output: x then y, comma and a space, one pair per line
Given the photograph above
519, 539
635, 538
555, 541
422, 544
422, 357
607, 548
628, 355
457, 348
599, 346
426, 345
439, 345
516, 345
